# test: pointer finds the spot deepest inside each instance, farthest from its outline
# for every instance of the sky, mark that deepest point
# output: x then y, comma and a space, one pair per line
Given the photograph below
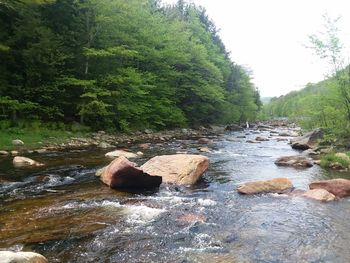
270, 37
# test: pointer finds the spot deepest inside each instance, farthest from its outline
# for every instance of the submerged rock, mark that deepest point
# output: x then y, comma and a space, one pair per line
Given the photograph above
294, 161
204, 141
204, 149
339, 187
276, 185
309, 140
119, 153
320, 195
182, 169
24, 161
121, 173
21, 257
261, 139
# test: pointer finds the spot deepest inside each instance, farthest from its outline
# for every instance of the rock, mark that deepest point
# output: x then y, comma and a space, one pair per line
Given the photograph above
204, 149
282, 139
309, 152
204, 141
144, 146
14, 153
261, 139
233, 127
339, 187
99, 172
294, 161
241, 137
251, 141
192, 218
276, 185
148, 131
288, 134
121, 173
320, 195
40, 151
326, 150
4, 153
182, 169
21, 257
317, 162
24, 161
104, 145
336, 166
265, 127
17, 142
139, 153
119, 153
309, 140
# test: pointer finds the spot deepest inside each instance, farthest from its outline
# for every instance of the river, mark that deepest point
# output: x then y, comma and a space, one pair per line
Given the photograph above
65, 213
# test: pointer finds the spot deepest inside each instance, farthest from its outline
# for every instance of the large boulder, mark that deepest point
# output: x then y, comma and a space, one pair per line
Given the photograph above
21, 257
276, 185
309, 140
119, 153
294, 161
20, 161
182, 169
233, 127
121, 173
320, 195
339, 187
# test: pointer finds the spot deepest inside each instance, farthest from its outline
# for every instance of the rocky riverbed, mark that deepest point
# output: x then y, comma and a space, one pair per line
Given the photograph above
64, 212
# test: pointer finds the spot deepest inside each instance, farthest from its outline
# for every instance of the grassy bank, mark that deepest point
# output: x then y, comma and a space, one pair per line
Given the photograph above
36, 135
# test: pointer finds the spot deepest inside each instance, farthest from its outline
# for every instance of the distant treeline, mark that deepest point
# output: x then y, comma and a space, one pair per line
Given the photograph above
118, 64
324, 104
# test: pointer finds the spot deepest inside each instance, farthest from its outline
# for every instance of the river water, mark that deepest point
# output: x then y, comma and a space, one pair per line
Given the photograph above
65, 213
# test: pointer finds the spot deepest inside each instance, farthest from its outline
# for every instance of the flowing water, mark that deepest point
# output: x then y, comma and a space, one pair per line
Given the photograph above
65, 213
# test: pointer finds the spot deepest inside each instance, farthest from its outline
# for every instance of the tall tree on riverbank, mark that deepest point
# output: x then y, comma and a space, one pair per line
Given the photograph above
118, 64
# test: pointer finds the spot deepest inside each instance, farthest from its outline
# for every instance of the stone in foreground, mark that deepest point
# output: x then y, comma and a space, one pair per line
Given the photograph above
276, 185
320, 195
121, 173
21, 257
181, 169
339, 187
294, 161
20, 161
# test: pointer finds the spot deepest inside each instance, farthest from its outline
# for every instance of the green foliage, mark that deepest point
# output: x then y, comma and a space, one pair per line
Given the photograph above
332, 158
118, 64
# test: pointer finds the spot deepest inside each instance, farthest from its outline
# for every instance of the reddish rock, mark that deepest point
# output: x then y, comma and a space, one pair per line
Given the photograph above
121, 173
320, 195
204, 141
182, 169
339, 187
294, 161
144, 146
276, 185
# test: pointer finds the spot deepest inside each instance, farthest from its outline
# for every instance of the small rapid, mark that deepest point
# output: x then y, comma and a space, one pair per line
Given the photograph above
65, 213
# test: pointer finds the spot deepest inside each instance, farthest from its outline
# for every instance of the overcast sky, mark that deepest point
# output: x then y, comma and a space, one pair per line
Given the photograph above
269, 37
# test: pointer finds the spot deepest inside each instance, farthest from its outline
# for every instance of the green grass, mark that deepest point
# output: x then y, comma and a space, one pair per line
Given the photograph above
36, 136
332, 158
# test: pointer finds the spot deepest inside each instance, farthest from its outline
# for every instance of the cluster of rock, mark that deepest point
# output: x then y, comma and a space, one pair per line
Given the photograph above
326, 190
180, 169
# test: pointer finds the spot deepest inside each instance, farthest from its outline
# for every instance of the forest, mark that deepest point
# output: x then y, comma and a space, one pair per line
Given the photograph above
118, 65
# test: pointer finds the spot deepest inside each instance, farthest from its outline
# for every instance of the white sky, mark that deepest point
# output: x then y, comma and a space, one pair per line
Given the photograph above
269, 37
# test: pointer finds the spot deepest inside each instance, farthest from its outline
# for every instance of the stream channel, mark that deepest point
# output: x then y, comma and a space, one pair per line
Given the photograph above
65, 213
